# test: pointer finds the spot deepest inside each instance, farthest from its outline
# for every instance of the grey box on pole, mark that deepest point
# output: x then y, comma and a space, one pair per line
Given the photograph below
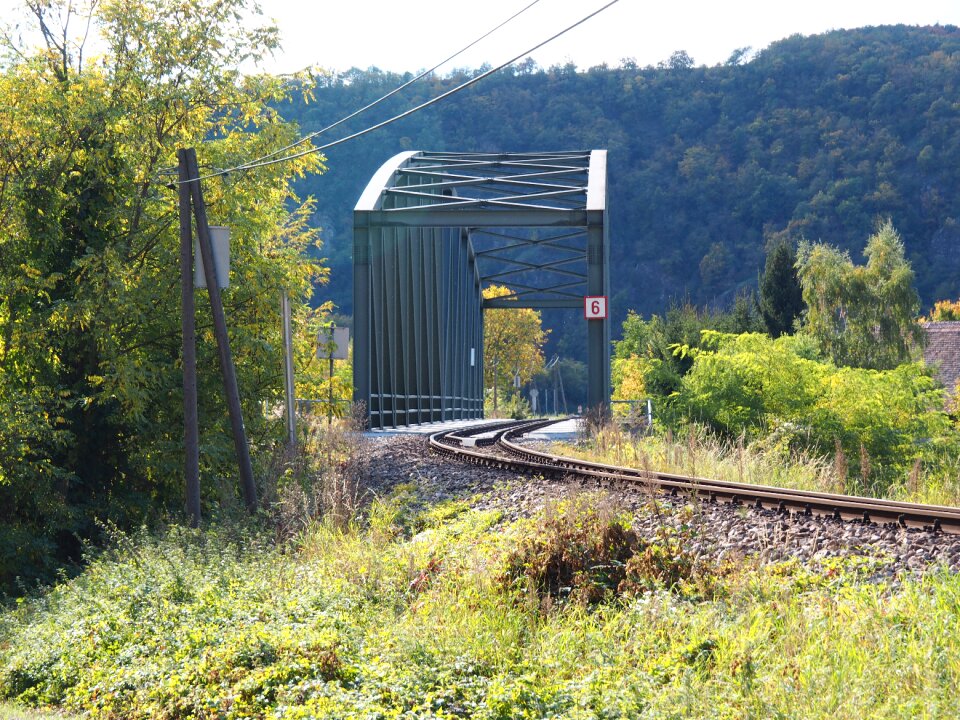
220, 240
333, 343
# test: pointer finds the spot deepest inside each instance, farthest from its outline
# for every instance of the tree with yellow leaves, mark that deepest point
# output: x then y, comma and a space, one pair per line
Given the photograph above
944, 311
513, 342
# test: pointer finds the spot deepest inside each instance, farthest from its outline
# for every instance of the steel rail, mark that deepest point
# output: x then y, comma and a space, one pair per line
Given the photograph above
464, 445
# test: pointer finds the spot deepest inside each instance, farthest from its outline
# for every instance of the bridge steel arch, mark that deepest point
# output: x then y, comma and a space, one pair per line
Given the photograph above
430, 231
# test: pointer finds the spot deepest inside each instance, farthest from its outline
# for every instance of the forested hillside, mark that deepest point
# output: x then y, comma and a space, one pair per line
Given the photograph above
814, 137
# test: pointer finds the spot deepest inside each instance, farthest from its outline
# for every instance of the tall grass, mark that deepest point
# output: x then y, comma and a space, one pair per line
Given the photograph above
324, 476
770, 461
14, 712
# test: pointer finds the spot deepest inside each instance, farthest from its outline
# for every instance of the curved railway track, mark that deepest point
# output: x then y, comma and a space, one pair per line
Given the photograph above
495, 445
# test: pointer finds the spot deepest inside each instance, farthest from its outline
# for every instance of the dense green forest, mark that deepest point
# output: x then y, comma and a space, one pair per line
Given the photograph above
813, 138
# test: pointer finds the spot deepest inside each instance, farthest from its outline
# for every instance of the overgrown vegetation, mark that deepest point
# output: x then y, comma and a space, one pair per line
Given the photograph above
880, 432
585, 551
645, 360
9, 711
382, 619
90, 381
848, 389
774, 390
773, 460
323, 478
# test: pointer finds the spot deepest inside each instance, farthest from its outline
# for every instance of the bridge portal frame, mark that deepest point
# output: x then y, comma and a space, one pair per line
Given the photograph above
418, 331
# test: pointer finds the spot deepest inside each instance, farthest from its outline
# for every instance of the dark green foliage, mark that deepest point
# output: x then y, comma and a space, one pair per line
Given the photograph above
743, 317
664, 342
781, 298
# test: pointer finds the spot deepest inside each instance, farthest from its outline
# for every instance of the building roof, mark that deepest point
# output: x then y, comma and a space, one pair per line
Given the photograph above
943, 352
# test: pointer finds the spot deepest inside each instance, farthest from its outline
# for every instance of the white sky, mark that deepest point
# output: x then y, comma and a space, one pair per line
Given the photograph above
416, 34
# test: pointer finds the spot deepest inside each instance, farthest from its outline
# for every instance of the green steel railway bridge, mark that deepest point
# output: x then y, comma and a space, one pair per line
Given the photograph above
430, 231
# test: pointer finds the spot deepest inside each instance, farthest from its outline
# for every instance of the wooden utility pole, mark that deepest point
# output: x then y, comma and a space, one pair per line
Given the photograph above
227, 370
289, 384
191, 432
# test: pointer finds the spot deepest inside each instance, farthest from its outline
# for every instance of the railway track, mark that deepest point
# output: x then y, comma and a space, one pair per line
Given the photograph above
495, 445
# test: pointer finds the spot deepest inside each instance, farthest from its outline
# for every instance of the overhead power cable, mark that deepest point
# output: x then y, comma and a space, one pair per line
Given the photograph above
404, 86
401, 88
253, 165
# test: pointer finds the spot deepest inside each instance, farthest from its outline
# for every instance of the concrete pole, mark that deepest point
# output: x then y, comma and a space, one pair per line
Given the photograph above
288, 371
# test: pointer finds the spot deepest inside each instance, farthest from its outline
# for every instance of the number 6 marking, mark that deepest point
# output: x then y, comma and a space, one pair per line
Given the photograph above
595, 307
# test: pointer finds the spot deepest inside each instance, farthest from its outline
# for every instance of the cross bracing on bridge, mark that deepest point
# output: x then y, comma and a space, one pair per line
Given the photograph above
430, 231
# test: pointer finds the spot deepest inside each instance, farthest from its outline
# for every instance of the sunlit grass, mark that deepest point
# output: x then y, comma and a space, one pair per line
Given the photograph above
766, 462
16, 712
416, 615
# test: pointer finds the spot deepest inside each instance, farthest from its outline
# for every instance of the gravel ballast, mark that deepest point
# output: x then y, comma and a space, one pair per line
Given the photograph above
719, 530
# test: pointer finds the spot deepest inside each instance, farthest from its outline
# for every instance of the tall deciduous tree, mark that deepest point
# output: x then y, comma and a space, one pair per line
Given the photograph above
861, 316
512, 345
781, 297
89, 280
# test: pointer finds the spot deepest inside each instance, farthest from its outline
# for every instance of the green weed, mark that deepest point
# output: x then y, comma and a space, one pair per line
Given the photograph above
375, 620
584, 549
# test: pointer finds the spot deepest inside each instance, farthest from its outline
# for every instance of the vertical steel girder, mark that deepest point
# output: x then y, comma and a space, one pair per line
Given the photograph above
430, 230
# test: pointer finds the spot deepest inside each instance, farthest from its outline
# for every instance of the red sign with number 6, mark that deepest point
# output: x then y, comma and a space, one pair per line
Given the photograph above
595, 307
